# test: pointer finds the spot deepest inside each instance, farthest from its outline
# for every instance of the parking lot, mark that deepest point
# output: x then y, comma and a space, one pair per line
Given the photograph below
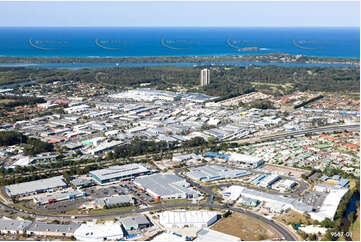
95, 192
121, 188
314, 198
59, 207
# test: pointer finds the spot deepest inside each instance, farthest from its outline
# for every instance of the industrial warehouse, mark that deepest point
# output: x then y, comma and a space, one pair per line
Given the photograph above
266, 180
330, 204
181, 219
166, 186
117, 173
246, 160
214, 172
35, 187
39, 200
274, 202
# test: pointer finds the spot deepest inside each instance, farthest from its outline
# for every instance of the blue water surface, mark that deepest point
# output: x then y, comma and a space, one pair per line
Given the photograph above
167, 41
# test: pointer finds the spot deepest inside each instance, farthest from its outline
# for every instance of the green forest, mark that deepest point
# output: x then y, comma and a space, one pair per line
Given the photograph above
225, 80
32, 146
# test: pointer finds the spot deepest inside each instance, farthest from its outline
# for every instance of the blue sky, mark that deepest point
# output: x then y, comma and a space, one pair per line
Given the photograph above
221, 14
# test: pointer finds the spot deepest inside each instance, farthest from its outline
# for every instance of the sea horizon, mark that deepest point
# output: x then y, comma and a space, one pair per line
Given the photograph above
108, 42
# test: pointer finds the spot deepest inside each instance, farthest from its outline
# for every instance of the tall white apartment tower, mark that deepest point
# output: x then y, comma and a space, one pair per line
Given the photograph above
205, 77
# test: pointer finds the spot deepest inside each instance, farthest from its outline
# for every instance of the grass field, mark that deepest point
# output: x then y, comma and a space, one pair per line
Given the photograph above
6, 101
245, 227
352, 184
111, 210
171, 201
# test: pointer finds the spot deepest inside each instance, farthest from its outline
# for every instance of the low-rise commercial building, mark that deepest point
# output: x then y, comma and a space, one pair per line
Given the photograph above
58, 197
166, 186
273, 199
82, 182
232, 193
275, 207
77, 109
183, 158
92, 231
122, 200
269, 180
287, 184
248, 202
135, 222
35, 187
330, 204
13, 226
249, 161
181, 219
103, 147
52, 229
214, 172
117, 173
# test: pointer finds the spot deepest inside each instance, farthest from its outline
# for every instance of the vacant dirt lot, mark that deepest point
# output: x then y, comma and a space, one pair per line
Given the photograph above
330, 182
245, 227
285, 170
293, 217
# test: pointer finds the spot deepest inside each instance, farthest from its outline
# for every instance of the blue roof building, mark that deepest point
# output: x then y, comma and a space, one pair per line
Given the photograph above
215, 155
324, 178
258, 179
336, 177
343, 183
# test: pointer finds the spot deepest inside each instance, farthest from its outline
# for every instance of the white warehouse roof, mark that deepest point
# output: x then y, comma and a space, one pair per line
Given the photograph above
232, 193
118, 171
190, 218
244, 158
165, 185
97, 232
34, 186
330, 204
267, 197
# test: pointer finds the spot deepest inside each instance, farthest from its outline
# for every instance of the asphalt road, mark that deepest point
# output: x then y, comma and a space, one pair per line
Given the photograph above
355, 127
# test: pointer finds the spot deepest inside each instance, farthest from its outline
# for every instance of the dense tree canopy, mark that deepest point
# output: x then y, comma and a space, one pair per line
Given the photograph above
226, 81
32, 147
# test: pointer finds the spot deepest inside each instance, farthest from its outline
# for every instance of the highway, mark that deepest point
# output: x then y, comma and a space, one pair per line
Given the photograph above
355, 127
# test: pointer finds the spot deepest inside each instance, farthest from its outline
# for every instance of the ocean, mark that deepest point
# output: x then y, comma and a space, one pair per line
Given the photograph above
166, 41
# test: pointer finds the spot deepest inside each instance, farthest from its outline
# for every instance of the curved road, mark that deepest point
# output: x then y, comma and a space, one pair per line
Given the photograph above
281, 230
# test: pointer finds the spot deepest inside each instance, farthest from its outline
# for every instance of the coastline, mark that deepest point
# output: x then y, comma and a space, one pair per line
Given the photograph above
266, 58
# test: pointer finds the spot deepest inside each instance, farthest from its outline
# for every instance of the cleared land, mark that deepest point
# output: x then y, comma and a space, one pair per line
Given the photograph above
293, 217
330, 182
245, 227
111, 210
6, 101
295, 172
